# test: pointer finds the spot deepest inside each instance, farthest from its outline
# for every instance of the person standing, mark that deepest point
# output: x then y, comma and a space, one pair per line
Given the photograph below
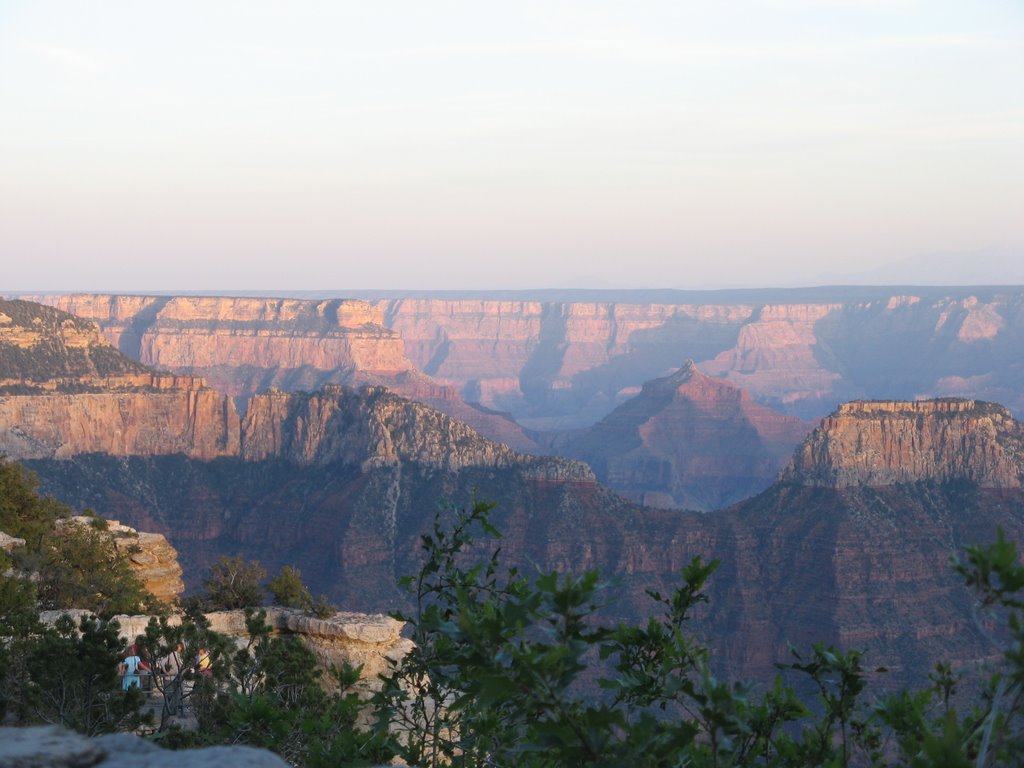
129, 669
204, 664
172, 666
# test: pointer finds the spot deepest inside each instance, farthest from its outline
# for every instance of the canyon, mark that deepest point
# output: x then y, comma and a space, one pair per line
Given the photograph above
557, 361
822, 555
850, 545
528, 372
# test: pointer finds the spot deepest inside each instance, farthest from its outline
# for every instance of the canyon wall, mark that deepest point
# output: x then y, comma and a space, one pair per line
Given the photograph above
244, 345
185, 418
851, 546
562, 364
64, 391
566, 364
883, 443
374, 427
827, 553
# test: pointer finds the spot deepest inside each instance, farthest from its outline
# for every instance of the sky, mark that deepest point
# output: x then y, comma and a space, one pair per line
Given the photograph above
339, 145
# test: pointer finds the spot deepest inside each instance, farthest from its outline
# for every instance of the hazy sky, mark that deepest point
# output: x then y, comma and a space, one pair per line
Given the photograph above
332, 145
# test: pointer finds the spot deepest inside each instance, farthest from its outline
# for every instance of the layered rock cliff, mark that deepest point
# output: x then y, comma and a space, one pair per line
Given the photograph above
244, 346
860, 563
374, 427
853, 544
555, 365
69, 393
871, 443
688, 441
187, 418
851, 547
563, 364
65, 391
241, 345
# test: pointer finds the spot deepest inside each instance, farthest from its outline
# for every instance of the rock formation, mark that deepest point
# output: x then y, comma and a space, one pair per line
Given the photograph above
43, 346
244, 346
876, 443
51, 746
149, 555
272, 339
837, 551
165, 415
64, 391
687, 441
558, 363
372, 427
372, 641
60, 401
8, 542
853, 545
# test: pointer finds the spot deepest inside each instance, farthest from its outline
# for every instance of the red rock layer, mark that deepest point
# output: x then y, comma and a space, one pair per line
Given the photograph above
212, 336
884, 443
171, 415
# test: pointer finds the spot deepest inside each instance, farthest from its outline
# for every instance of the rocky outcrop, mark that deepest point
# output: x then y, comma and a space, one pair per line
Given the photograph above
494, 425
372, 428
41, 345
776, 356
8, 542
861, 568
372, 641
65, 391
149, 555
688, 441
874, 443
51, 746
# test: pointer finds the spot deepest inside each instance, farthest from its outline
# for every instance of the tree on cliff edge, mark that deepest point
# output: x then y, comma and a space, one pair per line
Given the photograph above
233, 584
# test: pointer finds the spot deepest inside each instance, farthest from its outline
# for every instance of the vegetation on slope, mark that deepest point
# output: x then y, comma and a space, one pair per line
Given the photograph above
65, 565
50, 356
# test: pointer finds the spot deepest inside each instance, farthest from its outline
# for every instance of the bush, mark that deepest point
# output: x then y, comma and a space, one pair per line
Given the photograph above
233, 584
288, 590
23, 512
67, 675
80, 567
74, 566
323, 608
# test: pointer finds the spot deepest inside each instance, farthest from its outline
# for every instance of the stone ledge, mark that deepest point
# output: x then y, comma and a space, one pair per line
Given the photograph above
53, 747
